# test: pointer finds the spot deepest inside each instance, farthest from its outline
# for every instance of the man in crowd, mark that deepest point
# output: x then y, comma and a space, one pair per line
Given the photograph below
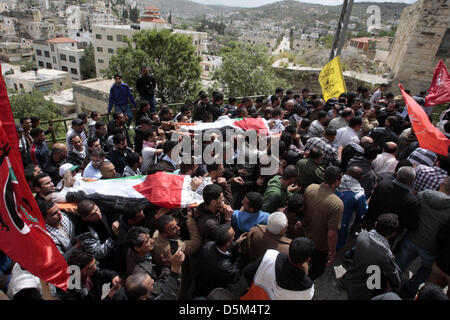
119, 96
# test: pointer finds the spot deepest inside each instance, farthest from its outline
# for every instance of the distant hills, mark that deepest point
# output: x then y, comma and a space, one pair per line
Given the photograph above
289, 8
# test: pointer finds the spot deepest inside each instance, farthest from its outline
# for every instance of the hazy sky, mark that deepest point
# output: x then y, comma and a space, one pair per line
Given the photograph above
257, 3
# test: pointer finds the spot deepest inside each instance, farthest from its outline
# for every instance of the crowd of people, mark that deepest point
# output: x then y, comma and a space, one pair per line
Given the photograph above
351, 178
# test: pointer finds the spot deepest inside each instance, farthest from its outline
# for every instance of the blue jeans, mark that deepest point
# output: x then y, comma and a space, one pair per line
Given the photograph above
407, 254
125, 109
152, 101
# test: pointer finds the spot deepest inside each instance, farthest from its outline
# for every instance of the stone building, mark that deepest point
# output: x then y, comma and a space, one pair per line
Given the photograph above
92, 95
421, 40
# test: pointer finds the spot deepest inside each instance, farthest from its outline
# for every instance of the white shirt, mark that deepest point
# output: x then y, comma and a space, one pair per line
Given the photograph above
91, 172
384, 162
344, 136
148, 157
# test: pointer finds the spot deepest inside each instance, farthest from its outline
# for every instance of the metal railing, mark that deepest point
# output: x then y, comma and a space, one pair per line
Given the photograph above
54, 139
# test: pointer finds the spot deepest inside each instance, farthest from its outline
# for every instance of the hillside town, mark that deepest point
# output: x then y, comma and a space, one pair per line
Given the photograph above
147, 154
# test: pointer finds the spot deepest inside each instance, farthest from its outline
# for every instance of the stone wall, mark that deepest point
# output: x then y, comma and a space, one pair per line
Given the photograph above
418, 38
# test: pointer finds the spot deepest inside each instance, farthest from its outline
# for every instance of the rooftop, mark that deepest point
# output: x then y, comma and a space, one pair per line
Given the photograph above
41, 75
99, 84
64, 97
151, 19
113, 26
61, 40
364, 39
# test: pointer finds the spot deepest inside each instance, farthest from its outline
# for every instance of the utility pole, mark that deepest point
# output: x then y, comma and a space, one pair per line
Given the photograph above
341, 31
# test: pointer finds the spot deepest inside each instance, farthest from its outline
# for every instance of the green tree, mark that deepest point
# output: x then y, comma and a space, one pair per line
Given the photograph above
27, 66
170, 57
246, 70
87, 63
134, 14
34, 104
327, 41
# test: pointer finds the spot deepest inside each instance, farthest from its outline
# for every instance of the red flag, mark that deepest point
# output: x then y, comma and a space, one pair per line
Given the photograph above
23, 236
257, 124
168, 190
439, 91
429, 136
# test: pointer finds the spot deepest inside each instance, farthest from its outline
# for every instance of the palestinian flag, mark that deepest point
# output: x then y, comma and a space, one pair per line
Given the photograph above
161, 189
240, 124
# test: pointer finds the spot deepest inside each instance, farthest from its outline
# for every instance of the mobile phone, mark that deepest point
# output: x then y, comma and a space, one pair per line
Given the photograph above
173, 246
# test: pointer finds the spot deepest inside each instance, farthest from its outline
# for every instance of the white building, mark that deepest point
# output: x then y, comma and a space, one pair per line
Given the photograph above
209, 65
73, 18
43, 80
7, 28
106, 40
199, 40
102, 18
40, 30
59, 54
151, 19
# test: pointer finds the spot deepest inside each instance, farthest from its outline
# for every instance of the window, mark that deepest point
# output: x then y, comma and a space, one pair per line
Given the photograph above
60, 84
72, 59
15, 86
73, 71
39, 52
110, 38
98, 36
62, 57
20, 86
52, 47
64, 68
47, 54
110, 50
444, 48
100, 61
99, 49
54, 60
41, 64
48, 65
119, 38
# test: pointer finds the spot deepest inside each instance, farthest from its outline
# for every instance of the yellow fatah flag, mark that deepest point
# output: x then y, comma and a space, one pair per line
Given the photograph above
331, 79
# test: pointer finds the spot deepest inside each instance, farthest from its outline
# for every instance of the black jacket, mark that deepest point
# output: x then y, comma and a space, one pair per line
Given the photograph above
381, 135
215, 110
287, 275
391, 197
146, 86
52, 169
215, 269
74, 159
101, 277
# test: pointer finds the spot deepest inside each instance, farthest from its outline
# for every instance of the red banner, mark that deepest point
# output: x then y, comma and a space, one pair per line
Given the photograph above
23, 236
427, 134
439, 91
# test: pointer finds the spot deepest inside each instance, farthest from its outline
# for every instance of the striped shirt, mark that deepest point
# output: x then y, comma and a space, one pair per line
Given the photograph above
422, 157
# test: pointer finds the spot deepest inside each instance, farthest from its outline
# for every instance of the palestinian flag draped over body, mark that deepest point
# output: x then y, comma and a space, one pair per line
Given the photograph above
245, 124
169, 190
429, 136
23, 236
162, 189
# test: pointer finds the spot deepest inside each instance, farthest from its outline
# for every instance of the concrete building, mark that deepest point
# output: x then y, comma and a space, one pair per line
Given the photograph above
59, 54
64, 100
199, 40
43, 80
73, 18
40, 30
421, 40
92, 95
363, 44
209, 65
270, 43
7, 27
106, 40
102, 18
16, 52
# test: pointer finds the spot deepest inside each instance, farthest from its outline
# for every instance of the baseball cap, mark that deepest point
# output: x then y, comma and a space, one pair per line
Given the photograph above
67, 166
